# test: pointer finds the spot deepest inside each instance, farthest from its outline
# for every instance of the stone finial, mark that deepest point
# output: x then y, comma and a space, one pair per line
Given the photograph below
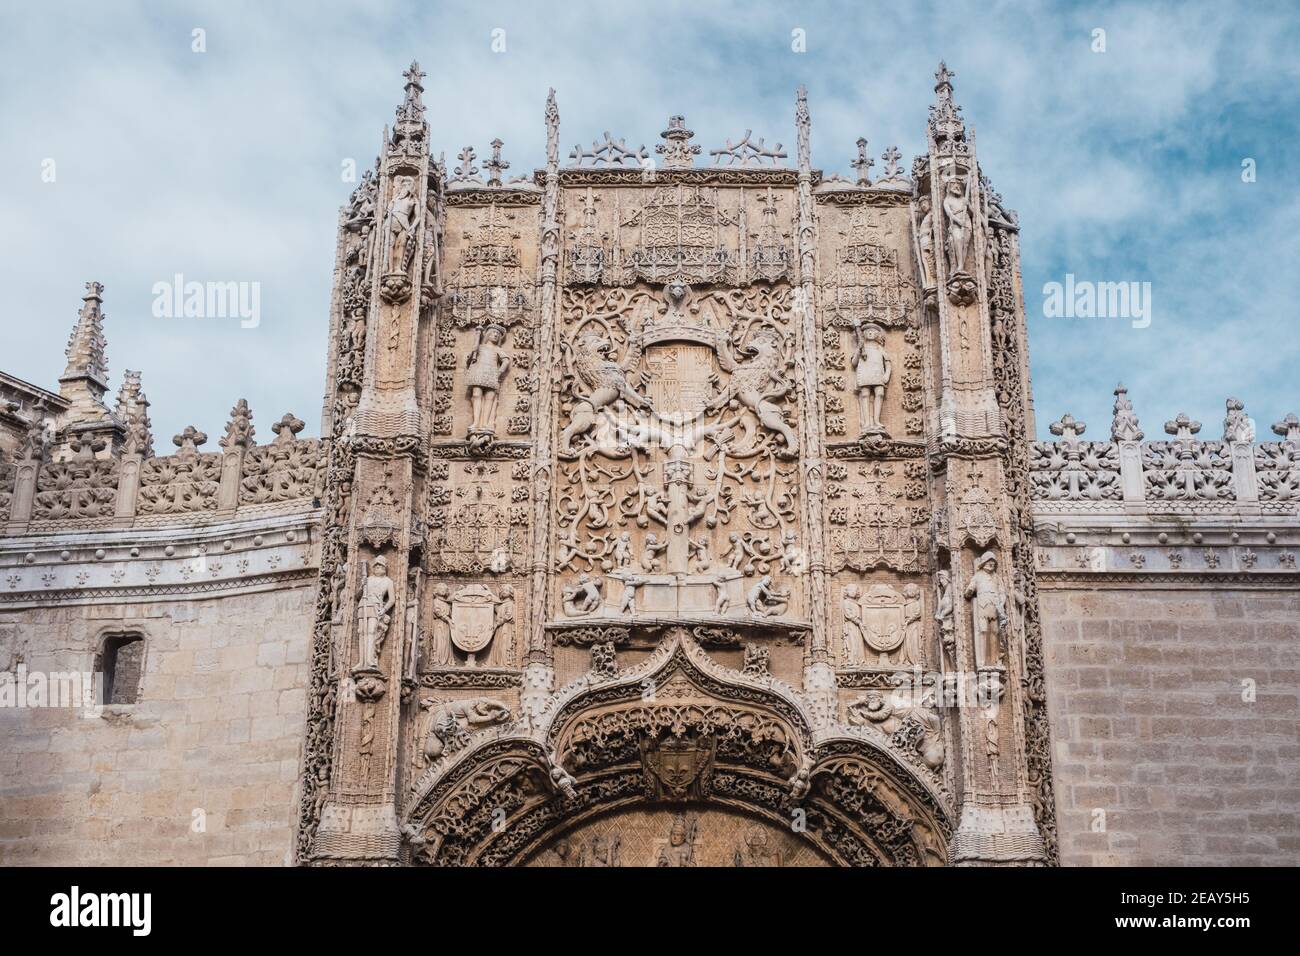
1124, 426
412, 108
1288, 428
803, 127
85, 379
189, 441
1067, 428
863, 163
287, 428
946, 124
133, 413
1182, 427
496, 165
677, 149
239, 430
552, 130
86, 447
1237, 425
36, 438
891, 156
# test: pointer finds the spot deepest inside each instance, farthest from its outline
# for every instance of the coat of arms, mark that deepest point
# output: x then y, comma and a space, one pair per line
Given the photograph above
472, 618
678, 767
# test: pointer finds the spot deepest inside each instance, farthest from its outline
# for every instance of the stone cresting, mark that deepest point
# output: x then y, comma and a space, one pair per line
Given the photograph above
687, 488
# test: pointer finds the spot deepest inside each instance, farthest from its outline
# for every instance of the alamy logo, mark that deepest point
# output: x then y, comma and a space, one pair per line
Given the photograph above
179, 299
1084, 299
103, 909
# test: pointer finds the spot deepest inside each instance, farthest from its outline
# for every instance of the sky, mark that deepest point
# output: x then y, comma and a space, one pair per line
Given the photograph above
127, 156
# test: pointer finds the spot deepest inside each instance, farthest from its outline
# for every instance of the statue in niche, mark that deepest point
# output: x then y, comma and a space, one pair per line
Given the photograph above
756, 382
650, 552
401, 223
765, 599
486, 367
374, 613
943, 614
604, 378
925, 240
583, 598
854, 637
622, 555
442, 653
873, 367
913, 610
340, 584
956, 210
989, 610
411, 650
680, 849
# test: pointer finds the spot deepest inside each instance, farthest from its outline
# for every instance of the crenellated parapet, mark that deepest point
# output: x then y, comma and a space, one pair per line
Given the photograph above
1177, 510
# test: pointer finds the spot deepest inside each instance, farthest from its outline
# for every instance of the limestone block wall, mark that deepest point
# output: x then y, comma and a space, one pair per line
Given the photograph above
1150, 727
202, 770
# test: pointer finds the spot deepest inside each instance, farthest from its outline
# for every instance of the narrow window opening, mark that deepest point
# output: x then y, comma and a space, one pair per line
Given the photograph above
120, 665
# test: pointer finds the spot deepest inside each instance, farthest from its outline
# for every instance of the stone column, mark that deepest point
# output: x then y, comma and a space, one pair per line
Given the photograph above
996, 822
358, 822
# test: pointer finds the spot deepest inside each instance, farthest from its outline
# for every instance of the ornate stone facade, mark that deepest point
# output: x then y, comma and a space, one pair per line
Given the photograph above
675, 512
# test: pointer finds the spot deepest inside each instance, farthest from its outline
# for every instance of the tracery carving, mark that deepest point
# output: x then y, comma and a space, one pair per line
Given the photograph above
1074, 470
1185, 469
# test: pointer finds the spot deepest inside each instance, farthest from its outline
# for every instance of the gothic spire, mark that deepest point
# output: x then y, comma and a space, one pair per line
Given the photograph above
1124, 426
85, 380
946, 124
803, 126
133, 413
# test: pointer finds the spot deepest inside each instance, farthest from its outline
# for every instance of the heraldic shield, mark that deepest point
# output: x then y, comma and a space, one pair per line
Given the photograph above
472, 610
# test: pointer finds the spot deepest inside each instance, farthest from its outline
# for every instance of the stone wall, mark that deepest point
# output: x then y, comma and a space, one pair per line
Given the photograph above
202, 770
1149, 725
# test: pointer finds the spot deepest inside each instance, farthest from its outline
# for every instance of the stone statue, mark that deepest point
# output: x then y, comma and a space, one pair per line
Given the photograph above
722, 600
442, 652
943, 614
503, 620
701, 560
582, 598
487, 365
401, 223
956, 210
766, 600
605, 852
754, 851
374, 613
680, 850
853, 635
873, 367
925, 240
989, 608
913, 610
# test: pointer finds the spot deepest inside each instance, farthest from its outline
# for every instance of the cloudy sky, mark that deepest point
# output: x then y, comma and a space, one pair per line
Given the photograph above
1125, 165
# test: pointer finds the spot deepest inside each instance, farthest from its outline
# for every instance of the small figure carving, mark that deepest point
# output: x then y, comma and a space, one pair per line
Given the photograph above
622, 554
989, 609
913, 609
401, 224
957, 213
442, 653
605, 852
754, 851
701, 560
455, 720
925, 239
680, 849
584, 597
487, 365
943, 614
503, 619
722, 601
854, 637
374, 613
792, 556
628, 605
650, 552
873, 368
765, 600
